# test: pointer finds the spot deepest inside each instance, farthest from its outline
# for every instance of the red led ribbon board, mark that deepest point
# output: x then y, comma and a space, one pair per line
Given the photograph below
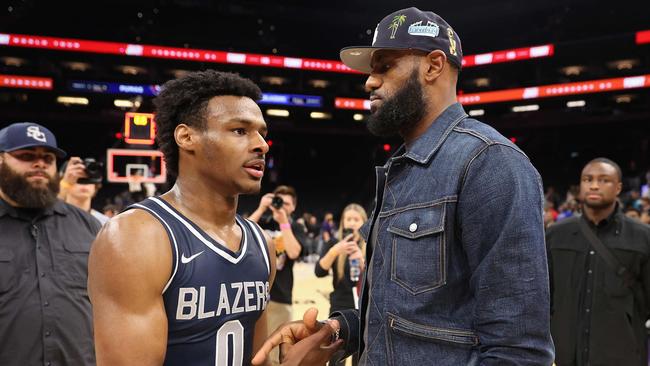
25, 82
189, 54
139, 128
557, 90
535, 92
643, 37
517, 54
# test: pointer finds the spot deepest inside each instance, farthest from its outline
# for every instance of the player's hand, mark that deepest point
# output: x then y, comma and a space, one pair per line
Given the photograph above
314, 350
266, 200
74, 170
290, 334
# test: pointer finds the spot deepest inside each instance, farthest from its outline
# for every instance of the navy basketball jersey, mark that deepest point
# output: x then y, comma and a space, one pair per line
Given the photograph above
214, 296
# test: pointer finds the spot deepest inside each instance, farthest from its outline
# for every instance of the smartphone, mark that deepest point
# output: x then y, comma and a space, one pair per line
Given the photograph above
346, 232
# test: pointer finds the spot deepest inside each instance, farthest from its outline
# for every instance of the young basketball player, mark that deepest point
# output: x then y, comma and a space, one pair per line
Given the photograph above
181, 279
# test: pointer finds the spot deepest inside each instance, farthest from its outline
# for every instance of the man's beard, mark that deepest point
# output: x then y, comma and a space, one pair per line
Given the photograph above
401, 112
17, 188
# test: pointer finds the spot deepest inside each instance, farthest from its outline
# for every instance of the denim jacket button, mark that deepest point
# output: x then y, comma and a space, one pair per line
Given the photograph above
413, 227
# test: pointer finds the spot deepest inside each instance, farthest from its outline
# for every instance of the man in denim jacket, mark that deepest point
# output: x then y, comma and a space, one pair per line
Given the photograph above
457, 271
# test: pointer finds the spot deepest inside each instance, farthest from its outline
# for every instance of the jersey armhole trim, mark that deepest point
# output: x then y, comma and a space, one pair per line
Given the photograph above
257, 231
172, 238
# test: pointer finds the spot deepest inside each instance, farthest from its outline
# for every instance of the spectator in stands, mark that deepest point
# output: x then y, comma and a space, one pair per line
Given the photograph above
289, 238
336, 255
80, 194
45, 314
111, 210
600, 288
328, 227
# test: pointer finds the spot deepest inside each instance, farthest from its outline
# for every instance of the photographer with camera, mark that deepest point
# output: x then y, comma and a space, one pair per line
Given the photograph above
80, 182
289, 238
344, 255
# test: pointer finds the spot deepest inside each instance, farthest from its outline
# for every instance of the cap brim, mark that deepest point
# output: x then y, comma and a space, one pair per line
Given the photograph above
358, 57
58, 152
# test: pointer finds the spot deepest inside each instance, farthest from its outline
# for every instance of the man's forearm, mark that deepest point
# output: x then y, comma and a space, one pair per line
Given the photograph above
348, 321
291, 244
257, 215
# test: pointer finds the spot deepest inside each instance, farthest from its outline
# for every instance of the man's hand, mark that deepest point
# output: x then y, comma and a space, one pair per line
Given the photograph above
314, 350
292, 334
280, 215
265, 202
74, 170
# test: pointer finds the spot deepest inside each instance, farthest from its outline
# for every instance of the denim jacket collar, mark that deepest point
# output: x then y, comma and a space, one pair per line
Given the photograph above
423, 148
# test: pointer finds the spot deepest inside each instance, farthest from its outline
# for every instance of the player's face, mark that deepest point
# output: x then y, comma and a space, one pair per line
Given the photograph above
233, 146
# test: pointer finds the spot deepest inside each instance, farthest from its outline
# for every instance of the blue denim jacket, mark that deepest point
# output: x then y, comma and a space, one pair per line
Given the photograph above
457, 274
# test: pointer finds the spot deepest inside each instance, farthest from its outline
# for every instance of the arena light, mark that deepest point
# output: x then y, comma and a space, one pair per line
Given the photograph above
625, 98
123, 103
25, 82
13, 61
525, 108
320, 115
358, 117
643, 37
476, 112
626, 64
72, 100
277, 112
77, 66
576, 103
249, 59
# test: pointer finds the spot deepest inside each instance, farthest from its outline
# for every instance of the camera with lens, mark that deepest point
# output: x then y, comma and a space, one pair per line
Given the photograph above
277, 202
93, 171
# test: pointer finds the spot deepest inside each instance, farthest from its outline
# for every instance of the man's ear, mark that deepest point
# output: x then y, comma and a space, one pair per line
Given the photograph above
186, 137
435, 63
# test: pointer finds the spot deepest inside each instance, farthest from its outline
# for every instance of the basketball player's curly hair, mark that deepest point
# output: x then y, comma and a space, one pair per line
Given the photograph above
185, 100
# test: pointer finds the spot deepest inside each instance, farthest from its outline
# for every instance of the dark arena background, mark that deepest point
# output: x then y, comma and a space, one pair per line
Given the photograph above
567, 81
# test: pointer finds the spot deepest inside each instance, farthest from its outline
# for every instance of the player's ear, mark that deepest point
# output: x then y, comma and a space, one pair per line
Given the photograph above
185, 136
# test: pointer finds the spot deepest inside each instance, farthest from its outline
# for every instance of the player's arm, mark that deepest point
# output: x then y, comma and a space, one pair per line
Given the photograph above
129, 265
261, 326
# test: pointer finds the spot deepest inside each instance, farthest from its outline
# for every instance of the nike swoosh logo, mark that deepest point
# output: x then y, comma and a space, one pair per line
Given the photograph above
186, 260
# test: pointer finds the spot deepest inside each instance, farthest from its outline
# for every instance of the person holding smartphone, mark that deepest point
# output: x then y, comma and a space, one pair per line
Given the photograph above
339, 254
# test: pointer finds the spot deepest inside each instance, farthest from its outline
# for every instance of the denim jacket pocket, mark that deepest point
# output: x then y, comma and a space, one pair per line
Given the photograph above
410, 343
418, 254
461, 337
